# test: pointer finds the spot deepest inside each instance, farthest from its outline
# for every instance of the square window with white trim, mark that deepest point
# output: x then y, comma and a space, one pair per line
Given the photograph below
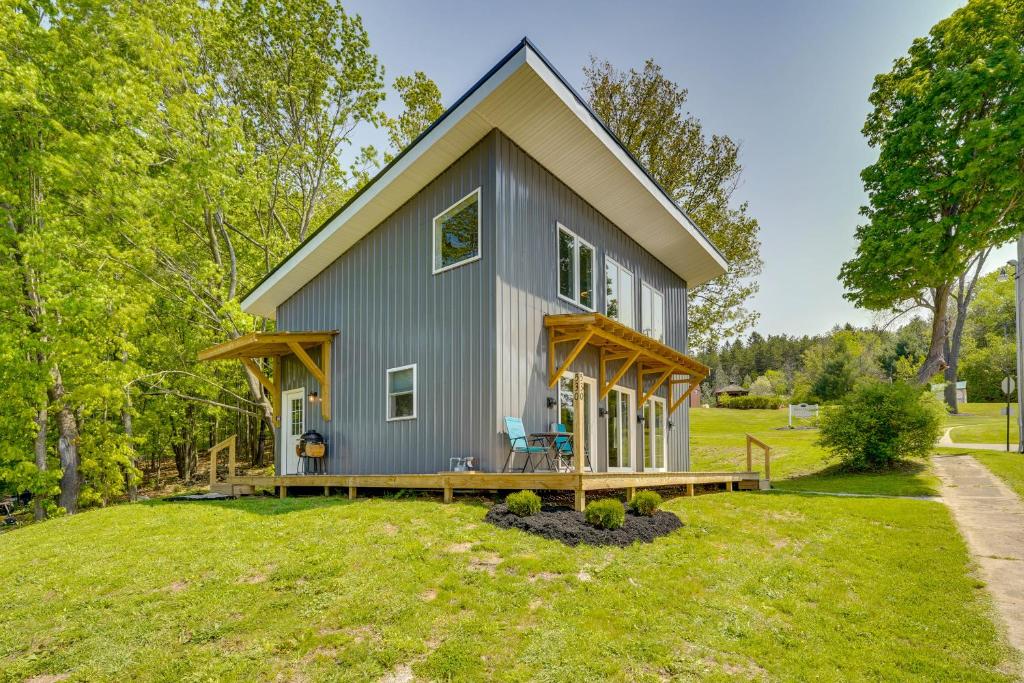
575, 269
652, 312
401, 389
457, 233
618, 300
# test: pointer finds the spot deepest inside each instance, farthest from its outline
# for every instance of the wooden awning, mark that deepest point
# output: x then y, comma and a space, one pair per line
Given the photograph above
255, 345
617, 342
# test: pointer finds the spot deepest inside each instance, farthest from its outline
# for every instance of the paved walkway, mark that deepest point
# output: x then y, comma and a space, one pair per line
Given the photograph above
991, 519
946, 442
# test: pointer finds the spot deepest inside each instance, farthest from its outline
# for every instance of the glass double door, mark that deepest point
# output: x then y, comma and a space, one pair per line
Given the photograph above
655, 441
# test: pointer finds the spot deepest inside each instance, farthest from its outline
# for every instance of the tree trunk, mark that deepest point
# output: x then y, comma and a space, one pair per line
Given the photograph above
935, 361
40, 452
67, 445
126, 421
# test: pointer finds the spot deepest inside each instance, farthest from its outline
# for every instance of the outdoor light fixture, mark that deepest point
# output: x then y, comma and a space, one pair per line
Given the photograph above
552, 402
602, 411
640, 418
313, 397
671, 425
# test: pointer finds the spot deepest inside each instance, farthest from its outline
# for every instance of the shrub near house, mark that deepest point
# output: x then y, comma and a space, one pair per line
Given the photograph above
751, 402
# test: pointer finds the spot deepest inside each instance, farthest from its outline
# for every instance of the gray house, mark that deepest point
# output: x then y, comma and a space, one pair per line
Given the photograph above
514, 243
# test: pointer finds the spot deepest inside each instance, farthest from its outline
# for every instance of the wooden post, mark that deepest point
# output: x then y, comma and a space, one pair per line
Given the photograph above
449, 493
283, 491
351, 492
578, 396
768, 464
231, 455
325, 387
213, 467
689, 490
581, 500
750, 457
630, 492
327, 490
728, 486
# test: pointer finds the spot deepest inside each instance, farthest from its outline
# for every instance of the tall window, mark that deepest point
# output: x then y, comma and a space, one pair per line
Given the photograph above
618, 292
575, 269
652, 312
655, 435
457, 233
401, 388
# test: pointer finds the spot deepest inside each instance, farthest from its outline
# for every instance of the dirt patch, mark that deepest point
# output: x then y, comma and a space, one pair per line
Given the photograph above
460, 548
48, 678
485, 563
569, 527
400, 674
429, 595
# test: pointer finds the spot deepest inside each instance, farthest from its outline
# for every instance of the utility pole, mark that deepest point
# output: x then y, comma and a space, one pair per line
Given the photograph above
1019, 315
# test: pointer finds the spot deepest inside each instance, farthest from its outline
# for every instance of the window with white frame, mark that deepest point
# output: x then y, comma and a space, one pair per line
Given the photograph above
575, 269
618, 300
457, 233
401, 390
652, 312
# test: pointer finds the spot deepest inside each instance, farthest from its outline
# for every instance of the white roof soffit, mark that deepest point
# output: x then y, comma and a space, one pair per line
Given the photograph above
531, 104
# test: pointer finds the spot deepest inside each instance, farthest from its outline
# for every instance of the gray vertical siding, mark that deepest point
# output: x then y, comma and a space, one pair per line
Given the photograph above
530, 201
476, 332
391, 310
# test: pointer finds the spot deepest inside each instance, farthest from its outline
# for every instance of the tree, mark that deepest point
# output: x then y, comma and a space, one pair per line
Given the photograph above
422, 100
646, 111
949, 181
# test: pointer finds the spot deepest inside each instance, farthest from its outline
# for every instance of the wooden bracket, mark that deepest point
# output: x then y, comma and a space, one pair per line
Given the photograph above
618, 375
272, 386
694, 383
322, 375
576, 351
654, 387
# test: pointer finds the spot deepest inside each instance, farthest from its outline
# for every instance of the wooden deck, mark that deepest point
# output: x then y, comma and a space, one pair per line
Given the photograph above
449, 482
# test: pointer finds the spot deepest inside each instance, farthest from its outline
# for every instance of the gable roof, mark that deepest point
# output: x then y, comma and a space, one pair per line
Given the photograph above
532, 104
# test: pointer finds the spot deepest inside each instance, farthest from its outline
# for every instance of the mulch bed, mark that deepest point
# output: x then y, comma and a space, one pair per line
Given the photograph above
569, 526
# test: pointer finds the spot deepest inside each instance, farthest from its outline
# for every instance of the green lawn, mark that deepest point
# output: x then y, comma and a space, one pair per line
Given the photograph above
981, 423
755, 586
718, 443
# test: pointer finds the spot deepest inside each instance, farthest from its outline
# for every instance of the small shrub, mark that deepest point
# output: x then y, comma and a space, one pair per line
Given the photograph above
878, 424
606, 513
523, 503
751, 402
645, 503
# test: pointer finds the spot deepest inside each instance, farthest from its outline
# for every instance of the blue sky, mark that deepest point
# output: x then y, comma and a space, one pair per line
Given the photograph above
788, 79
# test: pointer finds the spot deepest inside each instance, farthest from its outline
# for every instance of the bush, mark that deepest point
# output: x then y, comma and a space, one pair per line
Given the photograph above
748, 402
645, 503
523, 503
606, 513
878, 424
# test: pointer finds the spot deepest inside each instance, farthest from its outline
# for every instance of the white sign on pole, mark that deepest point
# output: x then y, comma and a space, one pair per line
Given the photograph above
799, 410
1007, 385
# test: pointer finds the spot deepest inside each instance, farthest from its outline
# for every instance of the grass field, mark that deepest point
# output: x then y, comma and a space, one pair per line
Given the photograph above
718, 443
981, 423
754, 587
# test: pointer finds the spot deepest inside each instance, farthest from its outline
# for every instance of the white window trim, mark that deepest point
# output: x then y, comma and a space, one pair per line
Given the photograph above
591, 385
618, 289
387, 393
631, 427
577, 241
664, 438
644, 326
433, 236
286, 423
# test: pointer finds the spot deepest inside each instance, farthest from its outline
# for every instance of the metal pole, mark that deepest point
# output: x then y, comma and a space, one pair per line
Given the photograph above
1019, 288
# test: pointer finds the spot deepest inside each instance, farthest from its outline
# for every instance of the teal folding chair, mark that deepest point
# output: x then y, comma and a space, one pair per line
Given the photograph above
563, 448
520, 443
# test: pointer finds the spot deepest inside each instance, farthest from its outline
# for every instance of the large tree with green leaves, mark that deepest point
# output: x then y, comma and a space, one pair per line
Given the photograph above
646, 110
948, 185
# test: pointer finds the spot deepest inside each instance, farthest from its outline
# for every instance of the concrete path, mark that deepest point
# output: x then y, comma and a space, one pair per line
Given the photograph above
946, 442
991, 518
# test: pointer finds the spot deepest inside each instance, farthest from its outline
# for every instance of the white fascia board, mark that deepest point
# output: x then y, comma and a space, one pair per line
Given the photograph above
569, 99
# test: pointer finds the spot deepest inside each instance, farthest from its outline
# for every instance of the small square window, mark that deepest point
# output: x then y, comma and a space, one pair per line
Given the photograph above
401, 390
457, 233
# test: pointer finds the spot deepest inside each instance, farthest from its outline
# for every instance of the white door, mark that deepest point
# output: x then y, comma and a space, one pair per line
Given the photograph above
567, 411
655, 441
293, 425
621, 440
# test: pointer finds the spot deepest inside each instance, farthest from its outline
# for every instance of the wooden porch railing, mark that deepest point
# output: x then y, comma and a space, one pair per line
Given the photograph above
229, 444
751, 441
